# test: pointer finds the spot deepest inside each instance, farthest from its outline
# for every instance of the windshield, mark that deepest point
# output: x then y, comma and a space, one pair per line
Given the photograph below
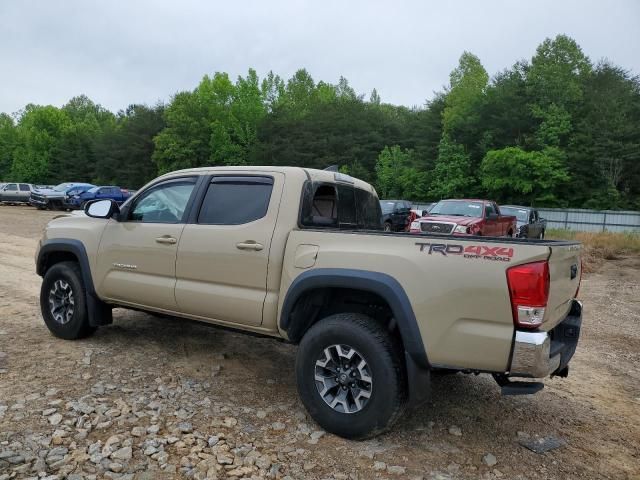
62, 187
387, 207
521, 214
457, 208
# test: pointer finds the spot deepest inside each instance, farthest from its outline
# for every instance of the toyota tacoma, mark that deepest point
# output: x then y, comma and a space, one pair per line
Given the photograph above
300, 255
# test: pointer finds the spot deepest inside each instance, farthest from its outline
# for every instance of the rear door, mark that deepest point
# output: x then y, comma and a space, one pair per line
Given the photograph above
24, 192
565, 272
223, 256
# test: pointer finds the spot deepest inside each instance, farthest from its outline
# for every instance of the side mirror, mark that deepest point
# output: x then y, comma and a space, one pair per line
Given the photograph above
101, 209
425, 213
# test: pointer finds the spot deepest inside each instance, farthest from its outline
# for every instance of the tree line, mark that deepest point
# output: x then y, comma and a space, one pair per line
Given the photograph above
557, 130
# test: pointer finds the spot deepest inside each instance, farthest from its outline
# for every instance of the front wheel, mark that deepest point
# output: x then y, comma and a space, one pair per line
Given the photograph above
387, 227
63, 302
350, 377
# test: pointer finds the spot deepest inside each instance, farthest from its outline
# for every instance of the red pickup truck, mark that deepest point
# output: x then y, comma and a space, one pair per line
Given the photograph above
466, 217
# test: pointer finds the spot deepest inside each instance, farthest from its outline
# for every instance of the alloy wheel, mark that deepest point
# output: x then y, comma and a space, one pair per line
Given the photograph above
343, 379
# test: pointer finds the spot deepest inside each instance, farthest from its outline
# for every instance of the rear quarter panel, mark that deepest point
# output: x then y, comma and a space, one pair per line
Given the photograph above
461, 302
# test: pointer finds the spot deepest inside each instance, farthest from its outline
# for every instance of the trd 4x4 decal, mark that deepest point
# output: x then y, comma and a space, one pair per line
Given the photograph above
501, 254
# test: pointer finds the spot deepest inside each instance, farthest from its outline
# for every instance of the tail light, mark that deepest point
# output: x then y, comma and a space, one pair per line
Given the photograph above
529, 291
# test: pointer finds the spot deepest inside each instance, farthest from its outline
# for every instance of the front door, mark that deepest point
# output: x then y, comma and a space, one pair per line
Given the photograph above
10, 193
137, 254
223, 257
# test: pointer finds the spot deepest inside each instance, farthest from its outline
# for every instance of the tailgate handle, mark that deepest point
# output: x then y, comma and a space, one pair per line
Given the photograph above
574, 271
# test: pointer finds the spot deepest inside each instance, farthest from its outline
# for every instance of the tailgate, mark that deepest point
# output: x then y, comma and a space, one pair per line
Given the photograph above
565, 270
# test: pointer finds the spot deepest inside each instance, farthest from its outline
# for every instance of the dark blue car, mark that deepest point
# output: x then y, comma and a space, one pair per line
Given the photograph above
97, 193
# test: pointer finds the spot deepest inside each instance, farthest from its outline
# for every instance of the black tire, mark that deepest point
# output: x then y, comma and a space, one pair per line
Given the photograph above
387, 227
382, 354
77, 326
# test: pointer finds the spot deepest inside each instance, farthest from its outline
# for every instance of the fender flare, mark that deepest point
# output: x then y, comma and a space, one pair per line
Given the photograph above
99, 312
387, 287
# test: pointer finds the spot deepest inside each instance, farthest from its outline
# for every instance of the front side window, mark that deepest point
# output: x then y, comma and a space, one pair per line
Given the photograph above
12, 187
165, 202
488, 210
236, 200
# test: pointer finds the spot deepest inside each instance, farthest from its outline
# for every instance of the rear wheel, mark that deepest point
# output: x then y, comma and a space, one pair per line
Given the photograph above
350, 377
63, 302
387, 226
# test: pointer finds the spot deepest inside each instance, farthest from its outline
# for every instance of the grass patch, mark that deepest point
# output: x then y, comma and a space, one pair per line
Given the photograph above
599, 246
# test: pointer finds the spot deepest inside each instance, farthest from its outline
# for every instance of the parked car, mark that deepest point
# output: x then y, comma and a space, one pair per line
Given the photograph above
530, 224
289, 253
79, 200
396, 215
53, 198
15, 192
466, 217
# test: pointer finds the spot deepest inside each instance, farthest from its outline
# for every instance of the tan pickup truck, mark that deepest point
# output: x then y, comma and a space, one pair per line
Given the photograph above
299, 254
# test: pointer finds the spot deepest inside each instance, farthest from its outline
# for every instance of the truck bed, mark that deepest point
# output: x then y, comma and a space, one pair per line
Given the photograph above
457, 285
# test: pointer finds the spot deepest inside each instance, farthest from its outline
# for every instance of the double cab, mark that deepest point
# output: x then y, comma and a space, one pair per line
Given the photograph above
299, 255
466, 217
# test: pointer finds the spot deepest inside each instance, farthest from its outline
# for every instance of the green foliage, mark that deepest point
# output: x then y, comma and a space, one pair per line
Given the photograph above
554, 130
451, 174
396, 176
468, 82
8, 141
513, 174
557, 72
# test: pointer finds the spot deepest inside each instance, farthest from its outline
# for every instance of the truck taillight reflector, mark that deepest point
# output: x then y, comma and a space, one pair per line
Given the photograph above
529, 291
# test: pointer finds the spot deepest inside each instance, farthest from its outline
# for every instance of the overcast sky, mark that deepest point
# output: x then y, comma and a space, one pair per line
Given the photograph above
121, 52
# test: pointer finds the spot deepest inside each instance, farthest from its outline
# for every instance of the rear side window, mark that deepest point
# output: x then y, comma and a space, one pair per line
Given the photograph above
235, 200
24, 187
368, 211
347, 206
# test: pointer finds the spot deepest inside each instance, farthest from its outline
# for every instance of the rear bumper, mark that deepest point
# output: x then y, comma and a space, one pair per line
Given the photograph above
540, 354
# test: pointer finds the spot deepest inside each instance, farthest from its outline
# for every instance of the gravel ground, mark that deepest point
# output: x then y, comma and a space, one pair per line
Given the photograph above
154, 398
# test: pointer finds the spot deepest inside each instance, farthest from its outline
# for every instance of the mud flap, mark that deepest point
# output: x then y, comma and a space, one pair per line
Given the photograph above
418, 382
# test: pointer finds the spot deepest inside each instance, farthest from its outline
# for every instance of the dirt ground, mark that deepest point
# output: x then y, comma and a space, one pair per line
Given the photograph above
153, 397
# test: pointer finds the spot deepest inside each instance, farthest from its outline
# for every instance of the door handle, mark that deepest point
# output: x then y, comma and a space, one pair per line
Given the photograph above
166, 240
250, 245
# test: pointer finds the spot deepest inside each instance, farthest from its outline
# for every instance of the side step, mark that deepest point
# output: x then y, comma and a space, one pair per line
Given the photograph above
509, 387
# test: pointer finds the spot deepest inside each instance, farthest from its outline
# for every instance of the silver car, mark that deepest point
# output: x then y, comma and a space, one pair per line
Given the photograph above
16, 192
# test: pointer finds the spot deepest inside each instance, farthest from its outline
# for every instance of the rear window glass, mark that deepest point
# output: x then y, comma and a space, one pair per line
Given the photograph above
236, 200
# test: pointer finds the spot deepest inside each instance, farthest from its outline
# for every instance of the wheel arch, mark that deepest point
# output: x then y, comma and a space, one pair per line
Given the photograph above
69, 249
311, 285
